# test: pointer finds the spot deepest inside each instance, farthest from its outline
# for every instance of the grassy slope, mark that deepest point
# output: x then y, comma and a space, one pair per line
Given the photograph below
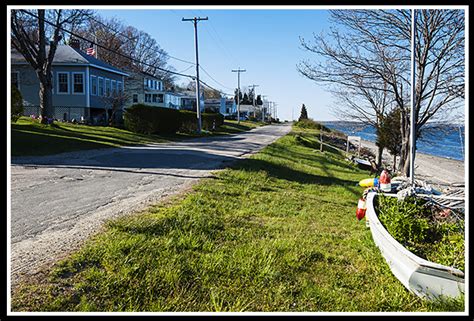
29, 138
277, 232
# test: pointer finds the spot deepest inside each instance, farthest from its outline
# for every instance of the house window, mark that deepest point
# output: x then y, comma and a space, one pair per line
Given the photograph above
15, 79
101, 86
107, 87
78, 83
63, 83
145, 82
148, 98
114, 87
119, 87
94, 85
160, 98
155, 98
135, 98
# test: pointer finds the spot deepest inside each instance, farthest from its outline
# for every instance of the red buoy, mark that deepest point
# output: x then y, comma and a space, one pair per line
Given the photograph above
361, 209
385, 182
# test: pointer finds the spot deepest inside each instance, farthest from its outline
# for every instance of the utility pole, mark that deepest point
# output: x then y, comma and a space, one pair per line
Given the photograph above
263, 108
270, 109
195, 20
238, 71
254, 95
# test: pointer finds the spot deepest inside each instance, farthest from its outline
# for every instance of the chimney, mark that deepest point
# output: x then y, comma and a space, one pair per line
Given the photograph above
75, 43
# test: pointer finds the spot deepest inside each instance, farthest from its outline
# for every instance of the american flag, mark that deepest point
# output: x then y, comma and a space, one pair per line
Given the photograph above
91, 51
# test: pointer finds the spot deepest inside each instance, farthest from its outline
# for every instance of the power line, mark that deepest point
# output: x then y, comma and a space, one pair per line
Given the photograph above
108, 49
134, 38
186, 69
125, 56
210, 87
214, 79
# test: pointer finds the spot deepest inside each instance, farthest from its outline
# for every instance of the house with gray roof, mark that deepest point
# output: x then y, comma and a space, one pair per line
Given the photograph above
82, 85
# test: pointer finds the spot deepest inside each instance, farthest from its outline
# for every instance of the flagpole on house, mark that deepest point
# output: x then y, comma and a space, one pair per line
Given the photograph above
95, 42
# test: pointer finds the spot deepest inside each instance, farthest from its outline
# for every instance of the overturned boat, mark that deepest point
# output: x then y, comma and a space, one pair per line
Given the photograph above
424, 278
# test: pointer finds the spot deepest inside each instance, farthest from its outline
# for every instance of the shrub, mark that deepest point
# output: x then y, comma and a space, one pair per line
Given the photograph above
311, 124
157, 120
16, 104
411, 223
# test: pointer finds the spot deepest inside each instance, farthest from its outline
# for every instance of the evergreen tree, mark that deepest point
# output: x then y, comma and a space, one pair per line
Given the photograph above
304, 113
389, 134
245, 100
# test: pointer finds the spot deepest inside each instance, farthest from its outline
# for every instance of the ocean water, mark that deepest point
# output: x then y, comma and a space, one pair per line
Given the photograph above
447, 141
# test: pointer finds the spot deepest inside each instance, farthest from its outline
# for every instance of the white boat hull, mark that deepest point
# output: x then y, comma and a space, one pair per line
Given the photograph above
424, 278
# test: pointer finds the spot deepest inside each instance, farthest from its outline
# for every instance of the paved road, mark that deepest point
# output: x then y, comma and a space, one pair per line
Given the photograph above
58, 201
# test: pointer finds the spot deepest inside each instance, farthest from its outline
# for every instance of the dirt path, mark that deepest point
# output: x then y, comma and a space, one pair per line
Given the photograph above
58, 201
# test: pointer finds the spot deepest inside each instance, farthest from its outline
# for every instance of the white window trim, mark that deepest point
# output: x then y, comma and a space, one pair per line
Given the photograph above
96, 86
103, 86
148, 95
59, 84
83, 83
17, 78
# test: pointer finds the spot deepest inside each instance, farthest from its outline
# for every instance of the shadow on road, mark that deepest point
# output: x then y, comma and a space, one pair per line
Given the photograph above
151, 158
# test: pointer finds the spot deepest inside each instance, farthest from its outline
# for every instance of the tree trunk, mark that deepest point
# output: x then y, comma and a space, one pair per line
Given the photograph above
379, 156
46, 97
405, 150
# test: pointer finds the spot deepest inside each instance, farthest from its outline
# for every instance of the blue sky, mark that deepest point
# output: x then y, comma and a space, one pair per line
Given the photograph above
263, 42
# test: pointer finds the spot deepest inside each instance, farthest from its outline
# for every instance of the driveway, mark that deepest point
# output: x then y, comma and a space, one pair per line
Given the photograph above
58, 201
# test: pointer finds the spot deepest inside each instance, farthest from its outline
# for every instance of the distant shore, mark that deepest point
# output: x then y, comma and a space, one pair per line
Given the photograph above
432, 169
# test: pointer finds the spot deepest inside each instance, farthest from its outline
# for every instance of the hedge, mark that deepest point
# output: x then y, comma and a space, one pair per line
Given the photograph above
151, 120
146, 119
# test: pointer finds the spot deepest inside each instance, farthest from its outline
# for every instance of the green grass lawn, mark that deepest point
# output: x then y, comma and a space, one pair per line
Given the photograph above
30, 138
275, 232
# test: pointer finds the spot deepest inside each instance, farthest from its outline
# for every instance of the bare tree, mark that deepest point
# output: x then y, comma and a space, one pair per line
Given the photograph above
36, 34
138, 51
114, 102
375, 46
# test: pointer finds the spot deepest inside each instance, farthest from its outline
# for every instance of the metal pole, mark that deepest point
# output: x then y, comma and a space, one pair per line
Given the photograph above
412, 100
238, 98
195, 20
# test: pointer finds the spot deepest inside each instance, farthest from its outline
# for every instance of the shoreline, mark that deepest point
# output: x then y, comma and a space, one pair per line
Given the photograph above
435, 170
